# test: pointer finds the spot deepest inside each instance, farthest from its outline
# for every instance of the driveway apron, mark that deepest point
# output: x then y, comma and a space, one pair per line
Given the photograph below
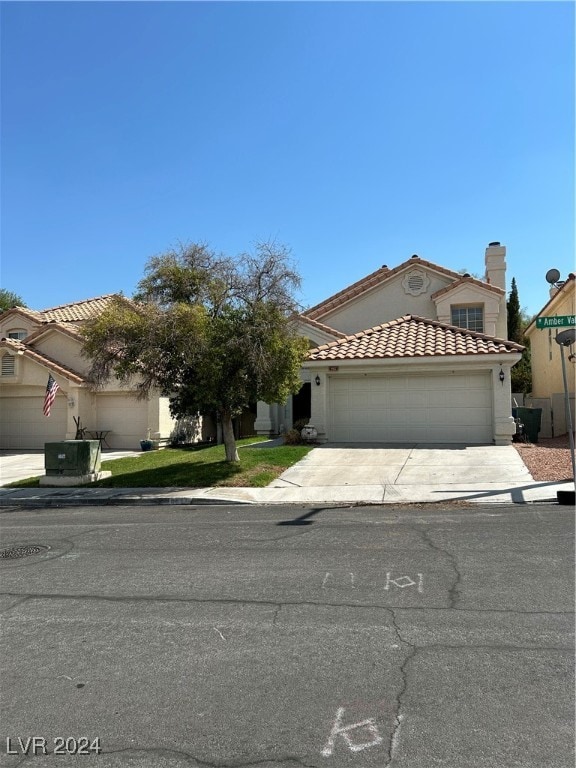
355, 464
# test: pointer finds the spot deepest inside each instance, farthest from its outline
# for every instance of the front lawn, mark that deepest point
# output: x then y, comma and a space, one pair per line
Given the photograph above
197, 467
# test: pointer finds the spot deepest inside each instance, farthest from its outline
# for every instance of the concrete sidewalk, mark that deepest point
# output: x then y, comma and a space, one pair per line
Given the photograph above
351, 474
332, 495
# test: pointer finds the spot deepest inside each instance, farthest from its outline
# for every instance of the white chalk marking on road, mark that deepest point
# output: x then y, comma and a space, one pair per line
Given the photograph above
337, 730
329, 575
220, 633
404, 581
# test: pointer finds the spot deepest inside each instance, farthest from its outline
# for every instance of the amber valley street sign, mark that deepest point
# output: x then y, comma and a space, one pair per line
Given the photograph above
560, 321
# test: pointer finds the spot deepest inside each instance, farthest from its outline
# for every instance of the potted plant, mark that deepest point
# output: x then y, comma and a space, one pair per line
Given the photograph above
147, 445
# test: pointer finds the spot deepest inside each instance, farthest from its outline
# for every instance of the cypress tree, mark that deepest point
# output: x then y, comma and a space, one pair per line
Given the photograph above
521, 374
515, 330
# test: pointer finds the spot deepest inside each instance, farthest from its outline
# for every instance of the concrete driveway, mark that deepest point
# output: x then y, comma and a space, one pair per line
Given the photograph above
19, 465
362, 464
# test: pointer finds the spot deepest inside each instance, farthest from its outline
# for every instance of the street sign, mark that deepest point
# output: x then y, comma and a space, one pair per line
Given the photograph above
560, 321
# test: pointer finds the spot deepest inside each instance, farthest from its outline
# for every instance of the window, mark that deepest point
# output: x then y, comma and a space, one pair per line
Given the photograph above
471, 318
8, 365
17, 333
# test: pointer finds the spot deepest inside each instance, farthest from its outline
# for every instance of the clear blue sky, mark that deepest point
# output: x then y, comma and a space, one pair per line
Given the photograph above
356, 133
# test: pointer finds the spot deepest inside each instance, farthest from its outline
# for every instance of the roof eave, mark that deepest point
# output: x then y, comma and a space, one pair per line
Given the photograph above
477, 359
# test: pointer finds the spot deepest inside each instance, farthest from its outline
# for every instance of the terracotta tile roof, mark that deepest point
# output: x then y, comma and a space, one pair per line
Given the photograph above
321, 326
412, 336
370, 281
468, 281
69, 329
18, 347
31, 313
78, 311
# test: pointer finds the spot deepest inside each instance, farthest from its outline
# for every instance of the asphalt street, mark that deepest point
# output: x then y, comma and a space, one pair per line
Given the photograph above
400, 637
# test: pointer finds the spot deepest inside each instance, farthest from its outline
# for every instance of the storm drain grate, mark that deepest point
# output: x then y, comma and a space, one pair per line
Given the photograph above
12, 553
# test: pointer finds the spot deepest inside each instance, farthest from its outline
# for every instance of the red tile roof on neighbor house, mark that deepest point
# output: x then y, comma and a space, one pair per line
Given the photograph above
321, 326
30, 313
18, 348
78, 310
467, 280
68, 329
376, 278
412, 336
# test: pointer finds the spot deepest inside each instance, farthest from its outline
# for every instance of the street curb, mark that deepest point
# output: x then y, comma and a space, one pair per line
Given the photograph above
166, 501
120, 502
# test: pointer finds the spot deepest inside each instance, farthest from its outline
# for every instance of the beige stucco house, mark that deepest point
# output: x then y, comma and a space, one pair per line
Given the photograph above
35, 344
547, 378
414, 353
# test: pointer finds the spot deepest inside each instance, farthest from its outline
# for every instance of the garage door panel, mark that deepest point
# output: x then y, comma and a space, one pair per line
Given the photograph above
433, 408
341, 402
415, 417
126, 417
397, 400
23, 425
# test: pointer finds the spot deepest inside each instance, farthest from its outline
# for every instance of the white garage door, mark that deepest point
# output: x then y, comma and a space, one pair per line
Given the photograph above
125, 417
454, 408
23, 426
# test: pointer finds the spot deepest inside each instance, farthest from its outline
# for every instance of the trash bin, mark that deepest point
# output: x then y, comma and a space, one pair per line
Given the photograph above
531, 418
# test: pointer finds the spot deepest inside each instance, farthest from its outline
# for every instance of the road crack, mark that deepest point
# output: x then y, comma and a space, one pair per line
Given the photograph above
454, 591
398, 715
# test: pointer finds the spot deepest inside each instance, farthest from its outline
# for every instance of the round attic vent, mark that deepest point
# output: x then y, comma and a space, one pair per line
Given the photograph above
415, 282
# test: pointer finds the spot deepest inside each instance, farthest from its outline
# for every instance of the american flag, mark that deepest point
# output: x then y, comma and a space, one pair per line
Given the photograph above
51, 389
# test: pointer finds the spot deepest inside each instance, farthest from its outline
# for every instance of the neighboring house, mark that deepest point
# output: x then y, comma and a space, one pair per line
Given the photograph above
547, 379
417, 353
35, 344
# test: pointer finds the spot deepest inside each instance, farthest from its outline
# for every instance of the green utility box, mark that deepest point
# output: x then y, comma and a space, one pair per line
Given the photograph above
531, 418
72, 458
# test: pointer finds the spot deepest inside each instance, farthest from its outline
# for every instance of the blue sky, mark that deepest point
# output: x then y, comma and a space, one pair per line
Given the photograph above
355, 133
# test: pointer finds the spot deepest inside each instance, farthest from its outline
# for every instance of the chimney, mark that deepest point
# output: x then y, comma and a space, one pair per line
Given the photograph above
495, 261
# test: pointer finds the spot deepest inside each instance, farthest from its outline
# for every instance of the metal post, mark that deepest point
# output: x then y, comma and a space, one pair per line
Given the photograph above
568, 412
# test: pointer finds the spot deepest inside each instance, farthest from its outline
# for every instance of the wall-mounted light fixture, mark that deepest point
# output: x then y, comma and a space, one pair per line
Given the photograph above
317, 380
71, 402
501, 376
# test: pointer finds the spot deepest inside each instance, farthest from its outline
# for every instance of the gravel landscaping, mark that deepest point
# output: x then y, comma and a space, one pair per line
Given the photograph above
548, 459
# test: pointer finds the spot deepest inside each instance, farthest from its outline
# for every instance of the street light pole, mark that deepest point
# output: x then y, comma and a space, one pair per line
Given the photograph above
566, 339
